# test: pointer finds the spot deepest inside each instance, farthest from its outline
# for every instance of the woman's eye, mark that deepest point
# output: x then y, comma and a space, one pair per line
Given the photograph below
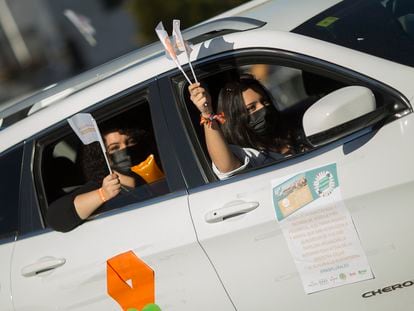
131, 142
251, 108
113, 149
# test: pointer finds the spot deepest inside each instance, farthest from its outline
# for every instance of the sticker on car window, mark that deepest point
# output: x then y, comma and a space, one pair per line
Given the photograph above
131, 282
327, 21
319, 230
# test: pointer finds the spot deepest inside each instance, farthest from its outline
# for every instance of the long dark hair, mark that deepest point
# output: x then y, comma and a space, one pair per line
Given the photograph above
236, 129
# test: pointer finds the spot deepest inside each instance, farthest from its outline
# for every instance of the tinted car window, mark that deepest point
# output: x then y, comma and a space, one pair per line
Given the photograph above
381, 28
10, 168
294, 87
69, 168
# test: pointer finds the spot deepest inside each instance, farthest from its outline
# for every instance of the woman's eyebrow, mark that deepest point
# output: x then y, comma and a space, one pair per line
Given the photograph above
113, 144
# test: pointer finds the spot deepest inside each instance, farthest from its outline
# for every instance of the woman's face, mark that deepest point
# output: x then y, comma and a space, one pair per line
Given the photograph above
253, 101
124, 152
115, 141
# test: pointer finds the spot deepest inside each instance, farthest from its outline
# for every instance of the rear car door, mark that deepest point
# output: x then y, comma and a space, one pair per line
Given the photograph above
10, 166
236, 219
85, 268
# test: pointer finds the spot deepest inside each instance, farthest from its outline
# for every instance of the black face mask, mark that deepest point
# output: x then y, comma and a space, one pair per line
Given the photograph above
262, 122
124, 159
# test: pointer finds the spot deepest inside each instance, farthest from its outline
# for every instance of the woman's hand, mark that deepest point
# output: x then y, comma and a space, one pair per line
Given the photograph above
201, 99
111, 186
87, 203
217, 147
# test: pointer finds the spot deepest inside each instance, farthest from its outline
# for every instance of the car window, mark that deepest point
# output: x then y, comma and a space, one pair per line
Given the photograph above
383, 28
10, 166
69, 168
295, 87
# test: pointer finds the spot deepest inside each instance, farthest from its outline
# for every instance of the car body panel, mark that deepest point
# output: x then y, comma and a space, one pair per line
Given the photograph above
250, 252
6, 256
242, 262
161, 234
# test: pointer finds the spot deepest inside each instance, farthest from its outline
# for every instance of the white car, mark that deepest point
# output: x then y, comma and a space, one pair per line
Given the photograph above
342, 76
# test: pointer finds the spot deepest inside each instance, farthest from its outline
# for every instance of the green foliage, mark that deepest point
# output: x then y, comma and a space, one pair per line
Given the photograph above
149, 12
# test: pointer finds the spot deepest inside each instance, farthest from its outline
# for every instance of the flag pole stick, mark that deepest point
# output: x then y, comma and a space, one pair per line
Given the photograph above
106, 159
192, 70
182, 70
101, 143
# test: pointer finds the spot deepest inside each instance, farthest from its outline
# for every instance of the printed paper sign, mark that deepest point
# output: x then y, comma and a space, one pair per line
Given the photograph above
296, 192
319, 230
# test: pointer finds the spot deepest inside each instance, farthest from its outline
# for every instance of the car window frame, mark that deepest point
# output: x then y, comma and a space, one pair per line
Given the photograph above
145, 91
18, 149
279, 57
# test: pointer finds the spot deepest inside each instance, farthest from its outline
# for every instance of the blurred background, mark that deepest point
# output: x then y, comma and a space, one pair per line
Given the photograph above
43, 42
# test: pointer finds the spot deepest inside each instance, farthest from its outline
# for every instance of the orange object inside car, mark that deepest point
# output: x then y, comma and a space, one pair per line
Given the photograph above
148, 170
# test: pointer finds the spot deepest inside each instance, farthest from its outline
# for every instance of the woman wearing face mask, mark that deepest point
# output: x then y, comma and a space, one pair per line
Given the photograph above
126, 147
248, 135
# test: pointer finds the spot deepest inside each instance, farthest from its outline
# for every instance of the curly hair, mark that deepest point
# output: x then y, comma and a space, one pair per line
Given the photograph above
92, 160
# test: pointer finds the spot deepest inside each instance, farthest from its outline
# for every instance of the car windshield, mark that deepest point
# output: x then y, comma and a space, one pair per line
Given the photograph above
381, 28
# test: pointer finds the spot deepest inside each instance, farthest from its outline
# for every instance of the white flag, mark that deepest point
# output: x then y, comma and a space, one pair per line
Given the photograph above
169, 49
85, 127
181, 44
165, 40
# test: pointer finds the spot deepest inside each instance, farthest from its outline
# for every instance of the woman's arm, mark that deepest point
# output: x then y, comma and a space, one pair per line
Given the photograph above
87, 203
217, 147
69, 211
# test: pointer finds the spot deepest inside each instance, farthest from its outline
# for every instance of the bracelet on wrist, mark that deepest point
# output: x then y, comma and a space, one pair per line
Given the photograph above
208, 120
102, 195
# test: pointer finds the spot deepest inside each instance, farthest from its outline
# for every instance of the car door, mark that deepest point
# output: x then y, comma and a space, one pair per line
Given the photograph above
151, 242
10, 165
236, 220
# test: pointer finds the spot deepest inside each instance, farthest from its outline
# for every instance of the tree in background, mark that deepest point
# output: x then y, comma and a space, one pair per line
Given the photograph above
149, 12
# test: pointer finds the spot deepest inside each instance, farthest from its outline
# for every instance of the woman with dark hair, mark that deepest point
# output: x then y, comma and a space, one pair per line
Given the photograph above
126, 148
248, 134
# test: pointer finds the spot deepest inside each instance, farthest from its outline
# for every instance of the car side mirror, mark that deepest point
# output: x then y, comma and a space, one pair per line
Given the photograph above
338, 114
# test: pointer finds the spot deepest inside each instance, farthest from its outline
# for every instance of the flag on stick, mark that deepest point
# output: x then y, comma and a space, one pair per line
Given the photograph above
85, 127
181, 44
169, 49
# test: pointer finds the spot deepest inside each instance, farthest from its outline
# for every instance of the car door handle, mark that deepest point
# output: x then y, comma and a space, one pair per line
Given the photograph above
231, 209
43, 265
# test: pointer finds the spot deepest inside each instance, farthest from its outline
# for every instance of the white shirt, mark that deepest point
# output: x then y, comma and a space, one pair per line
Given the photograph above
250, 158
